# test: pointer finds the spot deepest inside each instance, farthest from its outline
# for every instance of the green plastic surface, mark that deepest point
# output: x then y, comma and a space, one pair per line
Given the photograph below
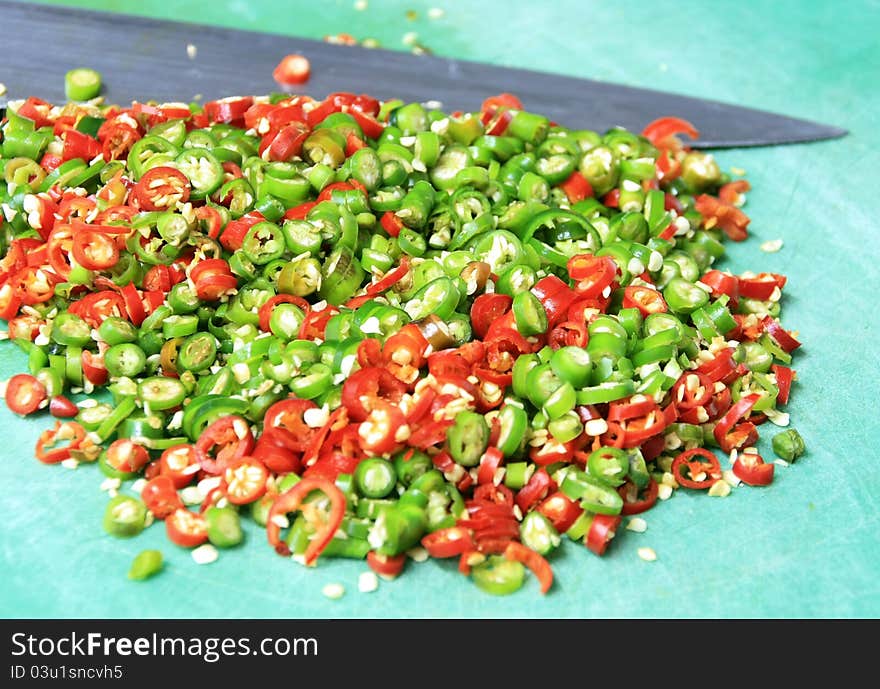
805, 547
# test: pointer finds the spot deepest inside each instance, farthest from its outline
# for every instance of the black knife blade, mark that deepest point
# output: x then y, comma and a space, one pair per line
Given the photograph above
143, 59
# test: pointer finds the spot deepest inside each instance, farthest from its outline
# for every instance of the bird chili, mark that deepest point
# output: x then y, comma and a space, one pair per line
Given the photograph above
377, 327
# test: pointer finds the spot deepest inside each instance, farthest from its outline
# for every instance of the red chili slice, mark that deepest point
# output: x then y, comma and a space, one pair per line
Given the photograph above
391, 278
186, 529
784, 378
332, 464
210, 221
661, 131
315, 323
363, 388
534, 561
301, 211
79, 145
378, 433
730, 432
292, 70
161, 188
497, 122
161, 498
718, 404
37, 110
449, 542
391, 223
623, 410
180, 464
503, 346
275, 456
645, 299
403, 354
33, 285
722, 368
779, 334
93, 367
577, 187
490, 462
692, 390
116, 141
213, 278
612, 198
226, 440
568, 334
602, 530
502, 100
638, 430
387, 566
284, 422
157, 278
750, 468
275, 116
292, 501
561, 510
429, 434
636, 500
698, 461
722, 283
228, 110
487, 309
558, 306
547, 286
245, 480
125, 455
24, 394
369, 353
551, 453
62, 408
57, 444
134, 305
539, 486
284, 144
236, 230
761, 286
75, 207
592, 274
725, 216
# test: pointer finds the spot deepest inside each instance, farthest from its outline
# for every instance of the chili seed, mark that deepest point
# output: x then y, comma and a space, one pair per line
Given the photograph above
205, 554
333, 591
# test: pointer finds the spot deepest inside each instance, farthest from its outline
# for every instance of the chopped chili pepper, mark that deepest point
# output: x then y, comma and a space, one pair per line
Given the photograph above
380, 326
697, 468
292, 70
293, 500
750, 468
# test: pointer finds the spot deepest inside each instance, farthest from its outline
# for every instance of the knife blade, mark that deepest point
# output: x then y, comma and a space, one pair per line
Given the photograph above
143, 59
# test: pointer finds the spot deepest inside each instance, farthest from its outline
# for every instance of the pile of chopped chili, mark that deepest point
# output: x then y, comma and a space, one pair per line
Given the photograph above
374, 326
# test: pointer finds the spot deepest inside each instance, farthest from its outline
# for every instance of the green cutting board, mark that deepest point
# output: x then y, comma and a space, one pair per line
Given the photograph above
806, 547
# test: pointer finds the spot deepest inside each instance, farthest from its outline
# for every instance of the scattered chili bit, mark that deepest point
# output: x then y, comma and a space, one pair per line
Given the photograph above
788, 445
381, 330
341, 39
82, 84
146, 564
647, 554
292, 70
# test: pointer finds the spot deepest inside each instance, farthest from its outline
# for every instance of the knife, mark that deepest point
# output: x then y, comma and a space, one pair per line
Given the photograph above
144, 59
